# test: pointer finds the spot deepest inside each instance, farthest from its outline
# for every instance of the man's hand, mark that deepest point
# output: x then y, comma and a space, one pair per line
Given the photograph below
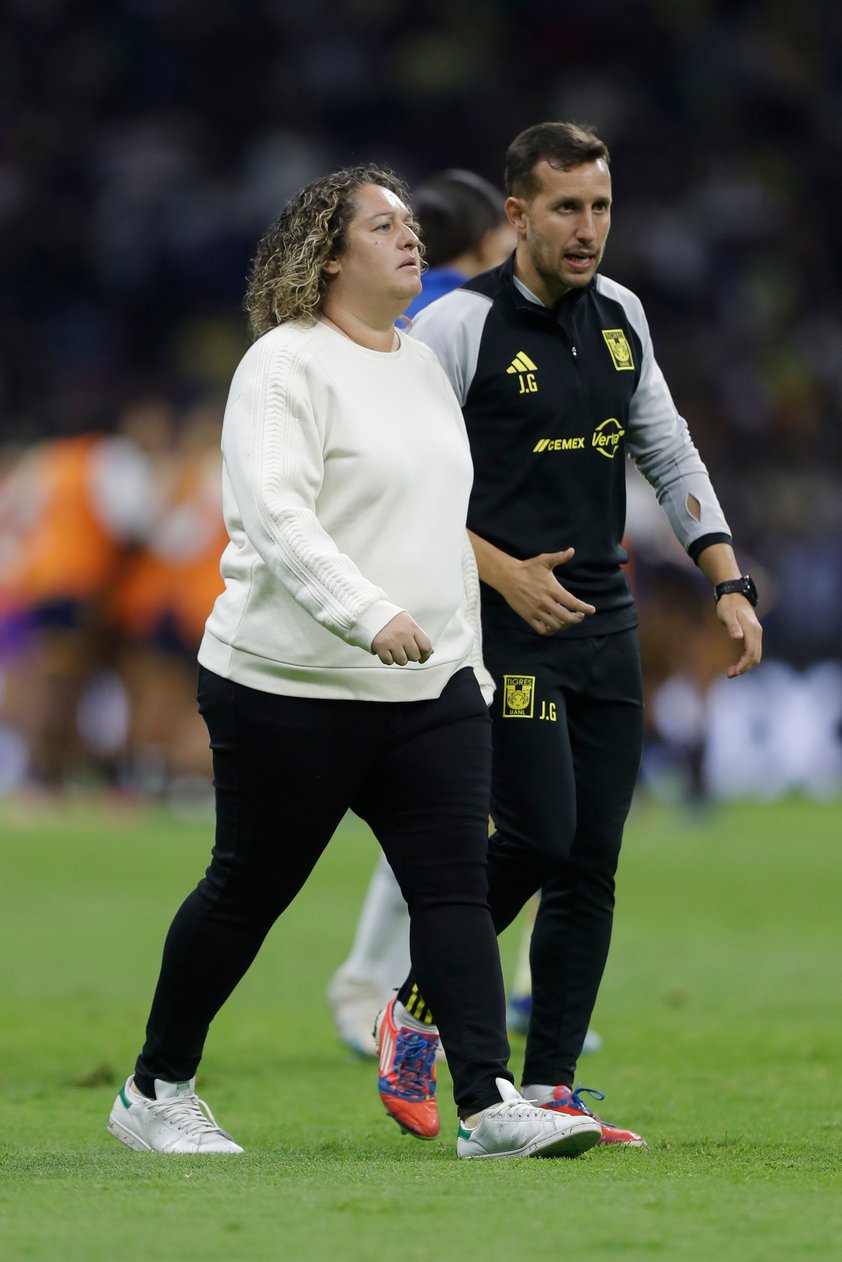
402, 641
533, 591
740, 621
719, 565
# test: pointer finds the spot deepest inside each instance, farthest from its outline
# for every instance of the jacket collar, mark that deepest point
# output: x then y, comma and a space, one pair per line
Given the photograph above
559, 311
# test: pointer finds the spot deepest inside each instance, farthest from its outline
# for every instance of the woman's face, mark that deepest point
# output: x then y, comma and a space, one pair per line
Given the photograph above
380, 263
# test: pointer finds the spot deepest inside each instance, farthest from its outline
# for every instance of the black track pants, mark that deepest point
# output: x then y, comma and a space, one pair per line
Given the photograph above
567, 739
286, 769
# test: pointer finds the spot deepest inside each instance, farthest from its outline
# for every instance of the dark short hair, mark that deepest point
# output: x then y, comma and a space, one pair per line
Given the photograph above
455, 209
562, 145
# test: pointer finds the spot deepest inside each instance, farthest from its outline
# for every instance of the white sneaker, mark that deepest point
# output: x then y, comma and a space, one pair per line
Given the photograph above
515, 1128
175, 1121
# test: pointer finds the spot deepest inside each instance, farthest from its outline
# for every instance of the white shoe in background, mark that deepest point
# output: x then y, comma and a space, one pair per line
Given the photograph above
354, 1005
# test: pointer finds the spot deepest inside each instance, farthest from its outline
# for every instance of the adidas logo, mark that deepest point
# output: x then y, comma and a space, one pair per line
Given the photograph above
521, 363
523, 367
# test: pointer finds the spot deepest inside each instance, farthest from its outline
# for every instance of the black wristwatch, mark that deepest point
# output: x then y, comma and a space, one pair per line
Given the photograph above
744, 585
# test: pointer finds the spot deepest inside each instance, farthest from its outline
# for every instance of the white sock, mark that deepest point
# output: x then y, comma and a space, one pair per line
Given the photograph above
402, 1017
537, 1092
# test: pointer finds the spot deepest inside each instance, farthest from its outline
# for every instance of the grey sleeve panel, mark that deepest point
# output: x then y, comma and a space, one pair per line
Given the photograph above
659, 441
452, 327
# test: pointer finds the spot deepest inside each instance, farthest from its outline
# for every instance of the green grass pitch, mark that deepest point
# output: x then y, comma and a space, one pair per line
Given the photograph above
721, 1014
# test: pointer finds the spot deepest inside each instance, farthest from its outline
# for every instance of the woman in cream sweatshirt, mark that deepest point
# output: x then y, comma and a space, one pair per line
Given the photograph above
335, 674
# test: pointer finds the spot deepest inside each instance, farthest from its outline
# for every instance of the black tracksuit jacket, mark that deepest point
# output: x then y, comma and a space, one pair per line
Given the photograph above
554, 399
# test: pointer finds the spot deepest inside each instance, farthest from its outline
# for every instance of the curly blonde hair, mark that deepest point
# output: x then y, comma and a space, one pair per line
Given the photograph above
287, 280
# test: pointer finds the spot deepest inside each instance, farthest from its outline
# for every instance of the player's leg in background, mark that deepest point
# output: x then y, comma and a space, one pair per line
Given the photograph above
376, 965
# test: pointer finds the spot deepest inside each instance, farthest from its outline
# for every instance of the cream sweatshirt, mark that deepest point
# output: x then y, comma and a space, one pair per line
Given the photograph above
346, 476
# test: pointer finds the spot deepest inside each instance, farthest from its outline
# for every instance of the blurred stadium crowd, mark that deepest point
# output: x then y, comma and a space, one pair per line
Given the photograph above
146, 145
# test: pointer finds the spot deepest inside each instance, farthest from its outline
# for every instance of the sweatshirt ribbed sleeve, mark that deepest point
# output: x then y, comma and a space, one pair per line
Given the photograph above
273, 450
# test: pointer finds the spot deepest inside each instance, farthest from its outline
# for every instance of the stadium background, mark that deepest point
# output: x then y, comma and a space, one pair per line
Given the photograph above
144, 147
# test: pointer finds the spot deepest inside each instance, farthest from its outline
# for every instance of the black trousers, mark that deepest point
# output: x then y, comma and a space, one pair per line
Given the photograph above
567, 741
286, 769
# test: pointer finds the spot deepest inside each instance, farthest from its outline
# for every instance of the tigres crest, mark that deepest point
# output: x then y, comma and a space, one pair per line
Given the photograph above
615, 340
518, 696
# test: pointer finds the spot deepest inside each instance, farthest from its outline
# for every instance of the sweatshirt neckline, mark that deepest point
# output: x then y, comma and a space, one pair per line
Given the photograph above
366, 351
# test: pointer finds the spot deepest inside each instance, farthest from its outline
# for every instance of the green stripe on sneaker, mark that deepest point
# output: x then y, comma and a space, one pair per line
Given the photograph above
125, 1098
463, 1133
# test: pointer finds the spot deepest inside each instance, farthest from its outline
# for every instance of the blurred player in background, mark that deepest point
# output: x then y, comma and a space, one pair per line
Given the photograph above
554, 367
346, 483
74, 511
465, 231
159, 607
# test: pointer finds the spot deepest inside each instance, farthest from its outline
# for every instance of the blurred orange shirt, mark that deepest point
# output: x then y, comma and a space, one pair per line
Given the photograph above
65, 551
177, 577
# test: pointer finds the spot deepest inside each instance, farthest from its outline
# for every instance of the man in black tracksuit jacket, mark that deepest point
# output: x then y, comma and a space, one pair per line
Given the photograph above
554, 368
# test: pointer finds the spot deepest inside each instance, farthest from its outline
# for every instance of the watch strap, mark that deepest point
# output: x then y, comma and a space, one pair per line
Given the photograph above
744, 585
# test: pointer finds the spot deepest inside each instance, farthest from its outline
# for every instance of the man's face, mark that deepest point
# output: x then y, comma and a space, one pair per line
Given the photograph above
380, 261
562, 230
